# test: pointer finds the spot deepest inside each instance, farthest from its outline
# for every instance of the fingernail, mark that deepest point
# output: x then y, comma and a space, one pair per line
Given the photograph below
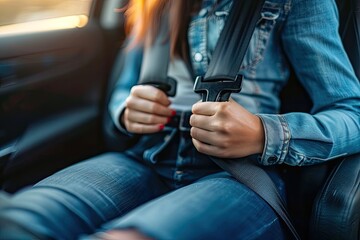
173, 112
161, 127
168, 119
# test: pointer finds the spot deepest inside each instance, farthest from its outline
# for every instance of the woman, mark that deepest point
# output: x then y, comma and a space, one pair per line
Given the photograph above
166, 186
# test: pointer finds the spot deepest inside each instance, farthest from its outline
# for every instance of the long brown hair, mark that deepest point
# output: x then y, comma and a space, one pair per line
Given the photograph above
143, 17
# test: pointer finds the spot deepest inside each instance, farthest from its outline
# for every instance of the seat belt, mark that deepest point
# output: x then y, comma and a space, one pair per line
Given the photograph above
221, 79
155, 73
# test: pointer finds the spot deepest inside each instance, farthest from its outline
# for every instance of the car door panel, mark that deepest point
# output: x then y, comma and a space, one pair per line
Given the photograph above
51, 90
50, 144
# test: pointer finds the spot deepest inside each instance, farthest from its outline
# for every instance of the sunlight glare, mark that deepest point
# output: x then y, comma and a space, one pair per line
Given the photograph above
77, 21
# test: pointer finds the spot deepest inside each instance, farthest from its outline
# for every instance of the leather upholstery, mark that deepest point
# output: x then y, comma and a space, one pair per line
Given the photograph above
336, 212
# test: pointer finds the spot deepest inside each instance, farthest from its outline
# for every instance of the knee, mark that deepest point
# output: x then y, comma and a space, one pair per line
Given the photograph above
105, 167
109, 173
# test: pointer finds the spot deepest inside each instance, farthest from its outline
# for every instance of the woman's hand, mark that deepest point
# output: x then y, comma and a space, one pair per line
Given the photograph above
226, 129
147, 110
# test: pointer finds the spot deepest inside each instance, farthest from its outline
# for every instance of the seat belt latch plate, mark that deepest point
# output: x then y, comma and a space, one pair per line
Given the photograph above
217, 89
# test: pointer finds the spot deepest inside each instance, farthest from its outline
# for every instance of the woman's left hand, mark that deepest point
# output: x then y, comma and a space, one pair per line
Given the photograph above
226, 130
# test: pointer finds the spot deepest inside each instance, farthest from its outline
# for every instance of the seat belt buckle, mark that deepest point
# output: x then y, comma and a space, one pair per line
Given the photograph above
218, 88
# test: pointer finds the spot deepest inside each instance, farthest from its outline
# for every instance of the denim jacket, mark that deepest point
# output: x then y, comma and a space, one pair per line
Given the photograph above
298, 33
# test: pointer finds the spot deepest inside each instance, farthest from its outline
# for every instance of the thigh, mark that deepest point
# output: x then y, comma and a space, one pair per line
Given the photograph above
217, 207
79, 198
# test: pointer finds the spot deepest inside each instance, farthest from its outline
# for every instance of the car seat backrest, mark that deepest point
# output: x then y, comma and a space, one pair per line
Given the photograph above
349, 11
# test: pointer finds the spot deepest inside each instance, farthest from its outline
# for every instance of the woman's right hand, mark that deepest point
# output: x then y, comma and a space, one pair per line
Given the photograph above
147, 110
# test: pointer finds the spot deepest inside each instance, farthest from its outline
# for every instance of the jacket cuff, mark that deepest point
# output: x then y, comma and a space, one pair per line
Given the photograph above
277, 139
115, 115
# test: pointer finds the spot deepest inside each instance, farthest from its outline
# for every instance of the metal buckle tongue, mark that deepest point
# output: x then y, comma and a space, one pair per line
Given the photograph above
217, 89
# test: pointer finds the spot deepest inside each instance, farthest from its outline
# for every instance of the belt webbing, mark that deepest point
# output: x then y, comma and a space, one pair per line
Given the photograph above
153, 73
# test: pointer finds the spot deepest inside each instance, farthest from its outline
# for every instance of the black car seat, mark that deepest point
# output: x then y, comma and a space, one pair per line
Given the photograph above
324, 200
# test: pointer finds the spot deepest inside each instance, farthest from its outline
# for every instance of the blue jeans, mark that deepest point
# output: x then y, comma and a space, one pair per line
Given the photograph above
162, 186
215, 207
79, 199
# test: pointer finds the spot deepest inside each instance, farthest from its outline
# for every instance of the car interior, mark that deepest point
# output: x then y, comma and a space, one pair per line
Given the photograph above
54, 89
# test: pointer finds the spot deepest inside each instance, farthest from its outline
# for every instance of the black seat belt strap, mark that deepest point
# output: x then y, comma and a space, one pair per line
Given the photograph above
153, 73
220, 81
222, 78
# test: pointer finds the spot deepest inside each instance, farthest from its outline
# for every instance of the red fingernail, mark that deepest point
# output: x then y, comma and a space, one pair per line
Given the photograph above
161, 127
168, 119
173, 112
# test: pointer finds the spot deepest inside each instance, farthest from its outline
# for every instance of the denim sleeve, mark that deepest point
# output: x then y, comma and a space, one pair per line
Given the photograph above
332, 129
127, 79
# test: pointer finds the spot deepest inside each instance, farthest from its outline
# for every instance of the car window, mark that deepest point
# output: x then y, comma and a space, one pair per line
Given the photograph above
22, 16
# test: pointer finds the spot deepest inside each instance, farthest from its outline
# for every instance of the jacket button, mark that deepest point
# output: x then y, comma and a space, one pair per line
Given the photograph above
198, 57
272, 159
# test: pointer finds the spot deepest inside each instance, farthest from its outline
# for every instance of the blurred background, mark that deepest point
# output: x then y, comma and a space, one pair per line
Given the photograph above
56, 59
38, 15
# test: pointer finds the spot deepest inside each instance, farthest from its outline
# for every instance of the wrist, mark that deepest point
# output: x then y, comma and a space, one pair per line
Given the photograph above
259, 141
